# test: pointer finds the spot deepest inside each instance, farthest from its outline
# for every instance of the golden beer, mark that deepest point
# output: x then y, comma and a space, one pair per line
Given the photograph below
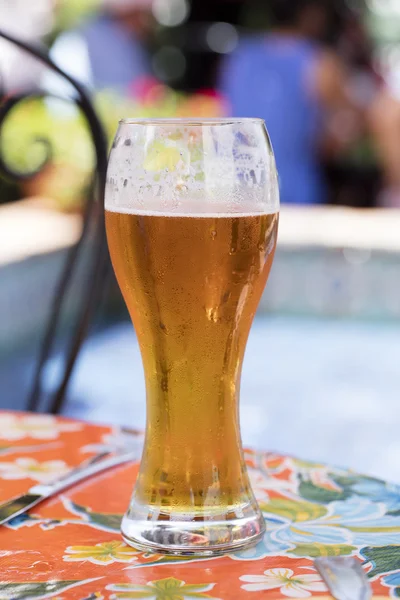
192, 217
192, 285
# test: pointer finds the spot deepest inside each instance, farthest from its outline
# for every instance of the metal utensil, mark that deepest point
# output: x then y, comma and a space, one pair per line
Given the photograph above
96, 464
344, 577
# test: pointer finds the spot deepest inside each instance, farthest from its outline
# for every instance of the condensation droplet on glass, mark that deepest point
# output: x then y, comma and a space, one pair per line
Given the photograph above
181, 186
212, 314
213, 235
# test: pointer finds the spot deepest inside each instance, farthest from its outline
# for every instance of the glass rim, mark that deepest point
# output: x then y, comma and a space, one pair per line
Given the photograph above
193, 122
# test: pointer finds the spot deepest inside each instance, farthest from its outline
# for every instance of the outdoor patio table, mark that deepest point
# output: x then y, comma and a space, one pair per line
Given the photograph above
69, 547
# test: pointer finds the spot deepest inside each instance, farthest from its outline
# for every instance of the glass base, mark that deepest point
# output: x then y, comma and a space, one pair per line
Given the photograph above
186, 535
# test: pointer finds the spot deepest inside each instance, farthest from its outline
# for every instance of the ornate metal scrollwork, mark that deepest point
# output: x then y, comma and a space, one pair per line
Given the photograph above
93, 213
5, 109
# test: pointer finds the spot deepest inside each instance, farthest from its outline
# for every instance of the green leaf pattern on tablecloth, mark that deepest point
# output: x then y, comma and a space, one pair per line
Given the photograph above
103, 553
331, 513
318, 512
314, 493
383, 559
294, 510
110, 522
37, 590
317, 549
162, 589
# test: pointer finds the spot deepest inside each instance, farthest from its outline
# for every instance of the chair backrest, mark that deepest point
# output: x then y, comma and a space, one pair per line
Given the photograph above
93, 235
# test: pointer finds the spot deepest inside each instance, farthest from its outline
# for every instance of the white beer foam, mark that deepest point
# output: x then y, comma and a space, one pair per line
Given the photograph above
185, 171
192, 213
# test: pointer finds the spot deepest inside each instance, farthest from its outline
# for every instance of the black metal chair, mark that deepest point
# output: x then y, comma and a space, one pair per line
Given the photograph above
93, 233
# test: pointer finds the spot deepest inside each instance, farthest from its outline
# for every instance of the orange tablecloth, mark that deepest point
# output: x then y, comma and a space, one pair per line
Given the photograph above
70, 547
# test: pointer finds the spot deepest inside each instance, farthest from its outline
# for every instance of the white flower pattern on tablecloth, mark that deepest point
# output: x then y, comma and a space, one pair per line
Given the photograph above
29, 468
291, 585
39, 427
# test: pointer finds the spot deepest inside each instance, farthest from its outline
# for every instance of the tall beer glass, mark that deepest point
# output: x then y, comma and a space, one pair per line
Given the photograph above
192, 217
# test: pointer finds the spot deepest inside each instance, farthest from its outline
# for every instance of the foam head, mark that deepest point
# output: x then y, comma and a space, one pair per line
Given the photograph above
184, 167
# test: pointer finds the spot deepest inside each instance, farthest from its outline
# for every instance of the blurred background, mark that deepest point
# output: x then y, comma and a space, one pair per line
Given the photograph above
322, 376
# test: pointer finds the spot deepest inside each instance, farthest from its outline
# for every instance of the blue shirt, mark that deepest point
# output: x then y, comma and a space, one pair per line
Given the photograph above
271, 78
117, 58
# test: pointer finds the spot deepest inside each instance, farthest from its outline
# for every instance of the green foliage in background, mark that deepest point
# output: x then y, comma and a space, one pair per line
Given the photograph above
70, 12
69, 138
112, 108
35, 119
64, 127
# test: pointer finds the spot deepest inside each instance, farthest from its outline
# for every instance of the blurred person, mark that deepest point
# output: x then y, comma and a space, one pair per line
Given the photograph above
352, 173
108, 50
296, 84
379, 95
384, 120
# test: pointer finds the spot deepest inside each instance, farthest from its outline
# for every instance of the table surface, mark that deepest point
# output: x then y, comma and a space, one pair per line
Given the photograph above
70, 547
325, 390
